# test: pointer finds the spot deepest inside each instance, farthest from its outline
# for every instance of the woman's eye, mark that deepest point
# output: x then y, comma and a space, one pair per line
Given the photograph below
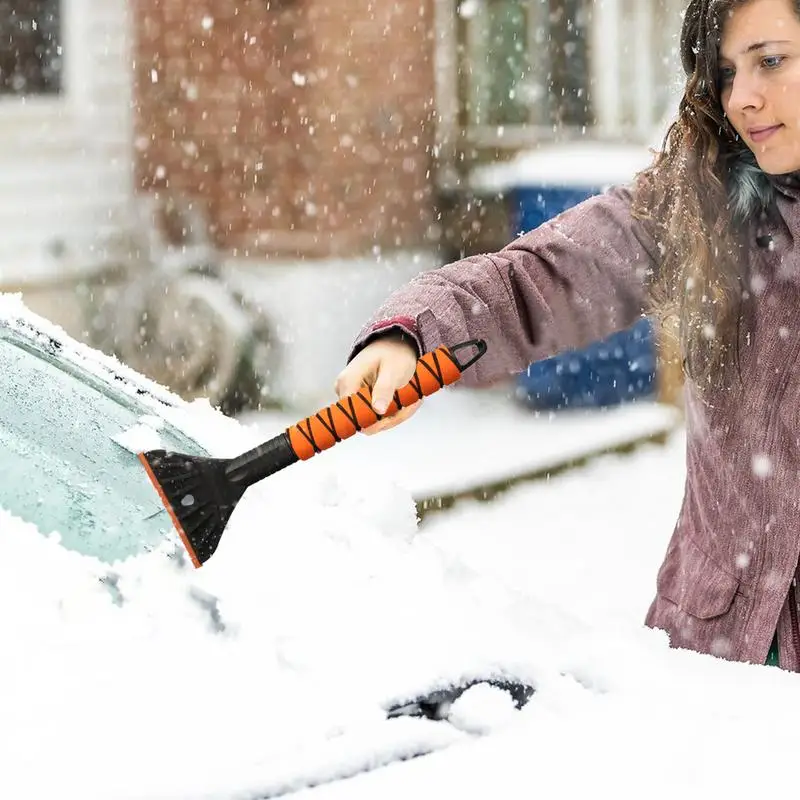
726, 75
772, 62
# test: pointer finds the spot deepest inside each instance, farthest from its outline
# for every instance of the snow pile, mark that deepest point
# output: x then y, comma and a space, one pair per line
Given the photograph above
482, 708
623, 716
147, 678
143, 436
268, 668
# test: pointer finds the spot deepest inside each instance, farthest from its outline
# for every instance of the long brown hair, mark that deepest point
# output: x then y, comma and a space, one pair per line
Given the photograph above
700, 287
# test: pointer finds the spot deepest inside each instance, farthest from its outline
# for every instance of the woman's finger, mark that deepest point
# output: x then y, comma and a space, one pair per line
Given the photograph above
389, 422
387, 382
353, 377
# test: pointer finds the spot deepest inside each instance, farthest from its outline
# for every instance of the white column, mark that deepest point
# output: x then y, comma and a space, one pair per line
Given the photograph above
644, 53
445, 60
606, 74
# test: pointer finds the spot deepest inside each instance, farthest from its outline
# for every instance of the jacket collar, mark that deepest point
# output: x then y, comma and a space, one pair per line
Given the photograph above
788, 185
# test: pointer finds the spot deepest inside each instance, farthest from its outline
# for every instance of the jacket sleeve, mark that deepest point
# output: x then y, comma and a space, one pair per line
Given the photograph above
574, 279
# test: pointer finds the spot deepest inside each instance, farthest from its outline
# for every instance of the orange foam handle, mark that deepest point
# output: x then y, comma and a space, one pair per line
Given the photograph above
351, 414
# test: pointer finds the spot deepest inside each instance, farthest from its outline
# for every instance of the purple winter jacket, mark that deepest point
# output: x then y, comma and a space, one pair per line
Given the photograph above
727, 580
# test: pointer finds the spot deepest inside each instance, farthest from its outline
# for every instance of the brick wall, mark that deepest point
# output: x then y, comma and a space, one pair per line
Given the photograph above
303, 126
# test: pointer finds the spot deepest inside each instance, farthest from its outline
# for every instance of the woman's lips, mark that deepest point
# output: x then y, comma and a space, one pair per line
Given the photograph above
762, 134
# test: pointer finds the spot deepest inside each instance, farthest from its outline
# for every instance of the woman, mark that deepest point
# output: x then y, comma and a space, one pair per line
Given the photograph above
709, 236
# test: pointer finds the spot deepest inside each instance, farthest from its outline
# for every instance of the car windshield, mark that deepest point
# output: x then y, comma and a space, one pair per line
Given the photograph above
63, 469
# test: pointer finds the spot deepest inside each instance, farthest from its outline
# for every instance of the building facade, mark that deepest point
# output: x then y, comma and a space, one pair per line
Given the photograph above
306, 128
329, 133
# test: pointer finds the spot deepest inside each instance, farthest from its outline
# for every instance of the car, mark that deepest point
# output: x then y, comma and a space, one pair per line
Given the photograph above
288, 661
327, 650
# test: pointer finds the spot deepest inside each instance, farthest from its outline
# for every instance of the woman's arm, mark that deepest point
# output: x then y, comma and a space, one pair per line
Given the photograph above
574, 279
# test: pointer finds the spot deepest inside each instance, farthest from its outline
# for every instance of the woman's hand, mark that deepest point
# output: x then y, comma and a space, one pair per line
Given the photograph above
385, 365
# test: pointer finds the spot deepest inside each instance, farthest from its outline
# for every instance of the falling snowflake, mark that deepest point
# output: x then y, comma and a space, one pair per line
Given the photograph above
743, 560
762, 465
468, 9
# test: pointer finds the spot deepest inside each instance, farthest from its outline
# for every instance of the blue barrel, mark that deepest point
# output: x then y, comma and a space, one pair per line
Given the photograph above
533, 205
609, 372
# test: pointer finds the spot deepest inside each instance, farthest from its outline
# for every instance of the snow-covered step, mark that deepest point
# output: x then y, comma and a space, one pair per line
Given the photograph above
464, 441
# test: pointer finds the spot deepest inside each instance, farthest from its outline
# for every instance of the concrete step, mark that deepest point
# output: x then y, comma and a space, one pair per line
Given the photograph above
476, 443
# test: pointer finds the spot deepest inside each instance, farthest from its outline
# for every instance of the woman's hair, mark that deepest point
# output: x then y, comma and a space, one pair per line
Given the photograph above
701, 193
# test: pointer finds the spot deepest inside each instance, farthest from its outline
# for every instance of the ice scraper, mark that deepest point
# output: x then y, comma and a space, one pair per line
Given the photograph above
200, 494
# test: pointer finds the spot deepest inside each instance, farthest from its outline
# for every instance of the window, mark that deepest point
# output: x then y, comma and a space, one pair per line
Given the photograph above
532, 70
30, 47
525, 62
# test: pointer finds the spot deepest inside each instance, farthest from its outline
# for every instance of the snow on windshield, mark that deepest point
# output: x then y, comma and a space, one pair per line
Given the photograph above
65, 453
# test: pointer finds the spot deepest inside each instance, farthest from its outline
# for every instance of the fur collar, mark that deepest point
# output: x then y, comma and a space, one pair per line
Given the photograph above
751, 191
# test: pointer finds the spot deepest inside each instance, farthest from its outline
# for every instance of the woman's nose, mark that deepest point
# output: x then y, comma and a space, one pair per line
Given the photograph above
746, 93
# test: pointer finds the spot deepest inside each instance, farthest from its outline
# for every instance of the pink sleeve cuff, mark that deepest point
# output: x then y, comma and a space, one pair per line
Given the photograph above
409, 324
404, 325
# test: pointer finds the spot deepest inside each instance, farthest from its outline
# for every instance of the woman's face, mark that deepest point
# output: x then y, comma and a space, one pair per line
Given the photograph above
760, 80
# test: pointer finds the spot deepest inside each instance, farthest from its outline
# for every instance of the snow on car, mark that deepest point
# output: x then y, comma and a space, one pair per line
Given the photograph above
306, 650
282, 664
